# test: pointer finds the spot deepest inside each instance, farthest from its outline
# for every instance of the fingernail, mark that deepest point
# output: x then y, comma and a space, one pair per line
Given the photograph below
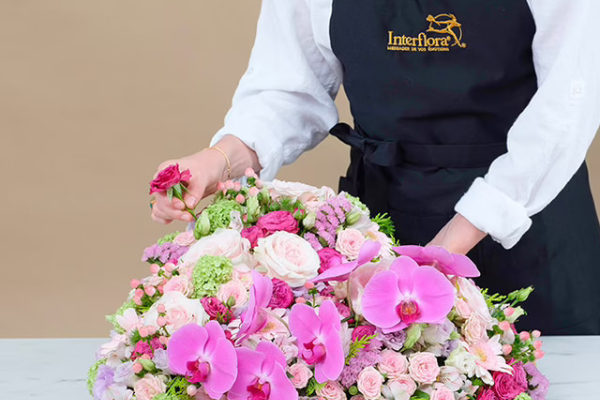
191, 201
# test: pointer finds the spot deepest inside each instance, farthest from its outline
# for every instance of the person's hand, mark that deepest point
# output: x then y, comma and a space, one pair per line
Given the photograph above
459, 236
206, 168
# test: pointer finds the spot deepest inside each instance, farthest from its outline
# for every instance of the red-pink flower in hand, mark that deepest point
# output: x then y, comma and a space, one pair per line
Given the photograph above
168, 178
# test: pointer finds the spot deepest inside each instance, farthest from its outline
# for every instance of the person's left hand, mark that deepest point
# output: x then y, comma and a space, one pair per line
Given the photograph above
459, 236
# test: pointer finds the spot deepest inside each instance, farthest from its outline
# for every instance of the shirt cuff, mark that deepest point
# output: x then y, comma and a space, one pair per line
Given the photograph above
493, 212
268, 150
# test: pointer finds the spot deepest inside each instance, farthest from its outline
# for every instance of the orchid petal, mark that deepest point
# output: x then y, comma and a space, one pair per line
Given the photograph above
433, 293
463, 266
281, 386
404, 268
329, 316
215, 332
331, 368
249, 365
273, 357
304, 323
368, 251
223, 371
380, 298
185, 346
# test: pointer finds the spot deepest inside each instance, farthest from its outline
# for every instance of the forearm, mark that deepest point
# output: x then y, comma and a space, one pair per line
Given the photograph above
240, 157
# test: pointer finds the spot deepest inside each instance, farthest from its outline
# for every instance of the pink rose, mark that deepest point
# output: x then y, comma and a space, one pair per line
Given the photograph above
519, 373
300, 375
349, 242
233, 290
507, 386
369, 383
361, 331
278, 221
462, 308
288, 257
474, 330
329, 258
404, 382
332, 391
178, 284
253, 233
423, 367
216, 310
168, 178
149, 387
487, 394
282, 297
185, 238
392, 364
442, 393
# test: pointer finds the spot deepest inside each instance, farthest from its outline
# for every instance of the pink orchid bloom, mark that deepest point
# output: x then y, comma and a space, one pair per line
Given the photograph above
254, 319
319, 340
368, 251
204, 355
442, 259
407, 294
261, 375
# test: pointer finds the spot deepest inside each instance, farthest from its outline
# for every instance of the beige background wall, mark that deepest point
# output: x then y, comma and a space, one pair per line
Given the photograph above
94, 94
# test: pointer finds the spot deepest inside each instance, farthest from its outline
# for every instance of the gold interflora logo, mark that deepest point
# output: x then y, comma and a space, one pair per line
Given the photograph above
444, 32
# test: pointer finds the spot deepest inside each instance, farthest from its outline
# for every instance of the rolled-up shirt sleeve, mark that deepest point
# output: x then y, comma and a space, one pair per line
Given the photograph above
284, 103
548, 142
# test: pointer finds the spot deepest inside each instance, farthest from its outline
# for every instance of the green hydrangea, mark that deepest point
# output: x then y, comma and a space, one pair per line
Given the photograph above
209, 274
93, 374
219, 216
112, 319
168, 238
523, 396
165, 396
355, 201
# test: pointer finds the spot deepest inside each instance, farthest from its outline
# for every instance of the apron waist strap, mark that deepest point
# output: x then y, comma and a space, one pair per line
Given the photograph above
394, 153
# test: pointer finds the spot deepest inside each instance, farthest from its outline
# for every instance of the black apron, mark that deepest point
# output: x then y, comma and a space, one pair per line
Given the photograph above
434, 87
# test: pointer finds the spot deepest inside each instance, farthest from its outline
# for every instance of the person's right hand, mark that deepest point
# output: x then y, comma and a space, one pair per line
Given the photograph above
207, 168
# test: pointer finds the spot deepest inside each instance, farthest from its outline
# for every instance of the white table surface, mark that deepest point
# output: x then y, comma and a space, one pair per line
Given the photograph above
56, 369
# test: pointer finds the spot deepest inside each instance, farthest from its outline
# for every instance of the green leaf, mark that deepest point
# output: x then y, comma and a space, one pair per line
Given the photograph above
177, 191
357, 346
421, 395
313, 386
413, 334
170, 193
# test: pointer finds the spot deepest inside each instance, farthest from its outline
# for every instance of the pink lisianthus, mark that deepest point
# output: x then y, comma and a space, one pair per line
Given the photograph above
261, 375
282, 297
169, 177
278, 221
329, 258
319, 341
442, 259
407, 294
204, 355
253, 233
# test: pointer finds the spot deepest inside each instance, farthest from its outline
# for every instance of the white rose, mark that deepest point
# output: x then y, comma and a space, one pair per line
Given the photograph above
287, 257
225, 243
296, 189
349, 242
180, 311
463, 361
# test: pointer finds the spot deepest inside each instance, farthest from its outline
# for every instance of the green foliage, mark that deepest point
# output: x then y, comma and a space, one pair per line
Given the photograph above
420, 395
112, 319
209, 274
523, 396
135, 337
355, 201
93, 374
168, 238
176, 390
219, 215
386, 225
313, 386
413, 334
357, 346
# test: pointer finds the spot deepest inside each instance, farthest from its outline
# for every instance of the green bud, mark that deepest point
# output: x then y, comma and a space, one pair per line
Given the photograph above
230, 302
524, 294
353, 390
309, 220
413, 334
264, 196
454, 335
253, 208
147, 364
202, 225
353, 217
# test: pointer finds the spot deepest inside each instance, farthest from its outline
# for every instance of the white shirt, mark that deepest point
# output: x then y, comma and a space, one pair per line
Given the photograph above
284, 106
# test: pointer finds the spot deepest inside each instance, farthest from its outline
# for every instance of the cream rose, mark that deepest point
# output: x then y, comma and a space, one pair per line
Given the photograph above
224, 242
287, 257
349, 242
423, 367
149, 387
474, 330
301, 374
392, 364
179, 311
233, 290
332, 391
369, 383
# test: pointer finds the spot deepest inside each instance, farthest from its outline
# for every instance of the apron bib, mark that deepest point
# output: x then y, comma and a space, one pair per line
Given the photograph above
434, 87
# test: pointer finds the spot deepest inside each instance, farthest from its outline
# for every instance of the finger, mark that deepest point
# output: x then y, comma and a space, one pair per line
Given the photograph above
194, 194
159, 220
166, 211
177, 204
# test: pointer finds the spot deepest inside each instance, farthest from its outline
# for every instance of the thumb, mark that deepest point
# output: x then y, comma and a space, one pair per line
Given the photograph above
194, 194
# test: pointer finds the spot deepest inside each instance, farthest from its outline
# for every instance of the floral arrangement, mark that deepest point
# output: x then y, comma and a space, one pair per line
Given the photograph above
285, 291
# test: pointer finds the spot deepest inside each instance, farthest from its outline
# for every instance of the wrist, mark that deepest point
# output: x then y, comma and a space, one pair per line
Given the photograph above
237, 156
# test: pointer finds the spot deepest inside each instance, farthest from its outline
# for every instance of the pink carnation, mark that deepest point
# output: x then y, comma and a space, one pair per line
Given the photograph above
278, 221
282, 297
329, 258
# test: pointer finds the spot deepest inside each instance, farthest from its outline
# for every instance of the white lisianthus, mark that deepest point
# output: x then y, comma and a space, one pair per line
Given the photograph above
463, 361
287, 257
225, 243
180, 311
